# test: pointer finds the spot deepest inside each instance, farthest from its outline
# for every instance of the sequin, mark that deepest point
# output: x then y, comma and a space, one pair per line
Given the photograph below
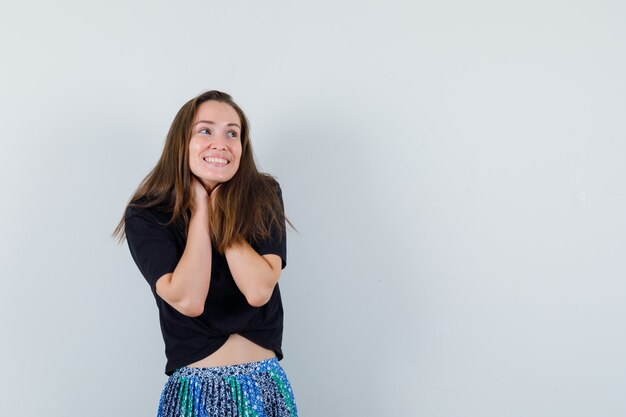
256, 389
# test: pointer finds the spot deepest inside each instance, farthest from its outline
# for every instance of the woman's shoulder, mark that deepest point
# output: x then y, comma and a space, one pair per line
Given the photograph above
144, 208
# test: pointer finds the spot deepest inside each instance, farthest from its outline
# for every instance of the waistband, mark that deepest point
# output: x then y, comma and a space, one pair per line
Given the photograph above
265, 365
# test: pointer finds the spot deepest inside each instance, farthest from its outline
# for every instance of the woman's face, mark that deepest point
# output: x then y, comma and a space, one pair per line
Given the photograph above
215, 144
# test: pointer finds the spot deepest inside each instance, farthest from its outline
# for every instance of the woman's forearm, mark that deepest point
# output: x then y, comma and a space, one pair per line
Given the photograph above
255, 275
191, 279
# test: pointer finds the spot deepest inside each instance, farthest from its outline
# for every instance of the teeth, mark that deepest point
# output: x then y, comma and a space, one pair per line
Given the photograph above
216, 160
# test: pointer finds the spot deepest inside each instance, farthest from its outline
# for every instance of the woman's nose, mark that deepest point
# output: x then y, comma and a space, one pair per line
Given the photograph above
219, 142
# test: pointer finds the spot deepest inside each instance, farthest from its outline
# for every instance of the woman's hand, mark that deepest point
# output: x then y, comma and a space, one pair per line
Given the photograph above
200, 199
214, 196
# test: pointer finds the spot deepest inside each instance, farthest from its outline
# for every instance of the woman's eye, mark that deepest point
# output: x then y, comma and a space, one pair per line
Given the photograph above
232, 134
206, 131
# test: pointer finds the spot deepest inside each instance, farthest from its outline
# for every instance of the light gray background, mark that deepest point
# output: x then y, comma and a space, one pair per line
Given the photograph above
455, 170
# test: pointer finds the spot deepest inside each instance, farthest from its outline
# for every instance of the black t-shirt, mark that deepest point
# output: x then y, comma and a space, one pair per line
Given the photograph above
156, 249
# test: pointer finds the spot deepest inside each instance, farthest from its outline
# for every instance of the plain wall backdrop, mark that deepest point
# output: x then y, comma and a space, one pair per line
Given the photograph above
455, 171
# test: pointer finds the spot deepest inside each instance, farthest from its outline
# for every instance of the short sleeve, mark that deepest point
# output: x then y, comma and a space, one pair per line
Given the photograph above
151, 245
277, 242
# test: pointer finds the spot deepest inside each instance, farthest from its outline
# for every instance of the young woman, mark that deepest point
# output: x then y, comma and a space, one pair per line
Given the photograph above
207, 231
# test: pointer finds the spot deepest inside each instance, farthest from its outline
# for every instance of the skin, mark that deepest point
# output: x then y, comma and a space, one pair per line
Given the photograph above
216, 134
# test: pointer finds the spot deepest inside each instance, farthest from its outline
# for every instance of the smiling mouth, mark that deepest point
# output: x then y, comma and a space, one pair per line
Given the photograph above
219, 161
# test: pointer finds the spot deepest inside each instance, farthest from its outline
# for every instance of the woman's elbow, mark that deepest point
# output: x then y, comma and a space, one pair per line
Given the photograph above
184, 304
259, 298
187, 308
190, 309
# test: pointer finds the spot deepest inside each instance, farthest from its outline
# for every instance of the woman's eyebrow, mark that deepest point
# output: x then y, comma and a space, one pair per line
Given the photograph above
212, 123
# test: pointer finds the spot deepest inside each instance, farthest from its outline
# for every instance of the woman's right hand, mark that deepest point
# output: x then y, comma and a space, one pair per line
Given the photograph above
199, 196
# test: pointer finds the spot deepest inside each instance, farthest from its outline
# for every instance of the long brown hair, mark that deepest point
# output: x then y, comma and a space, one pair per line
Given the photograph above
247, 206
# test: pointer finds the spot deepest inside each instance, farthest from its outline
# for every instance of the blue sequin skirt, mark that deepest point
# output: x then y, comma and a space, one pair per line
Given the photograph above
255, 389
